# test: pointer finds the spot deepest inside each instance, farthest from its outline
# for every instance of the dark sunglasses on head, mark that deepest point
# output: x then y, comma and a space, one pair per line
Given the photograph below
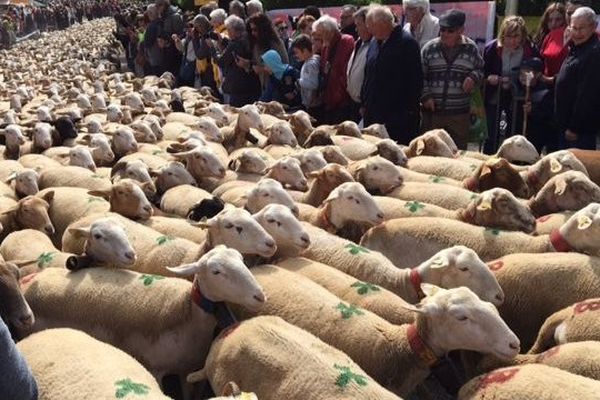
449, 30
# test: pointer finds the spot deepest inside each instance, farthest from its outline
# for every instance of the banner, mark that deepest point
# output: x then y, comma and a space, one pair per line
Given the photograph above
479, 25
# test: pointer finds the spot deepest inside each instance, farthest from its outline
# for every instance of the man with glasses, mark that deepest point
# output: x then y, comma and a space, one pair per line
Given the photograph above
578, 83
452, 68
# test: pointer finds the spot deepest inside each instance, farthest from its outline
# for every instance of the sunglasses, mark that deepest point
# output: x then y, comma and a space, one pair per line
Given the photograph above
449, 30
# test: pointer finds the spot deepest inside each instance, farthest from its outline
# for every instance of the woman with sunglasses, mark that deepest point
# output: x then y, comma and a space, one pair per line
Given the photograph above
502, 60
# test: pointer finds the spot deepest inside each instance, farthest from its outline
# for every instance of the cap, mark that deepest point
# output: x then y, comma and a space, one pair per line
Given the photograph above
452, 19
534, 63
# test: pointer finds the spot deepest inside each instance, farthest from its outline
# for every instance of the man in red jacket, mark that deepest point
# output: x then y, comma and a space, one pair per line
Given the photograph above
337, 48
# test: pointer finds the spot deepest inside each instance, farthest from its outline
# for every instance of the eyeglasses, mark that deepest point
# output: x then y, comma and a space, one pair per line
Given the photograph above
449, 30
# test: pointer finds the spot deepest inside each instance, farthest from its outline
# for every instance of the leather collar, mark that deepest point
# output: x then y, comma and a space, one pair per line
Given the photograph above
420, 348
559, 243
219, 309
471, 184
416, 281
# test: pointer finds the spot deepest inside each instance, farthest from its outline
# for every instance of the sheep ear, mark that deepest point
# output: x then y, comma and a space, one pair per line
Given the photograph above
80, 232
487, 201
48, 196
11, 177
335, 194
186, 269
485, 170
412, 307
560, 186
439, 262
197, 376
555, 166
13, 209
584, 222
231, 389
420, 146
206, 224
430, 289
313, 174
105, 194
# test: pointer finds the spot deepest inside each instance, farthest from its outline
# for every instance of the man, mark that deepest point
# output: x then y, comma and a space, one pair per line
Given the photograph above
254, 7
150, 43
572, 5
347, 24
393, 77
452, 68
420, 23
357, 62
578, 83
172, 22
335, 53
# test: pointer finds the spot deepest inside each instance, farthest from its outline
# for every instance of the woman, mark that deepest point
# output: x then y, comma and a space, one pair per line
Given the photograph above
281, 85
240, 84
502, 59
186, 46
263, 38
550, 39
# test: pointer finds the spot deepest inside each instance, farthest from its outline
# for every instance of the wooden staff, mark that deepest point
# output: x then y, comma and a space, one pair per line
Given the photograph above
528, 79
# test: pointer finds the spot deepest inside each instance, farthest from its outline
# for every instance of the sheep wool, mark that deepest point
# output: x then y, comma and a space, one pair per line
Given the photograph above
73, 177
282, 361
29, 244
445, 196
71, 365
180, 199
442, 166
176, 227
530, 382
547, 223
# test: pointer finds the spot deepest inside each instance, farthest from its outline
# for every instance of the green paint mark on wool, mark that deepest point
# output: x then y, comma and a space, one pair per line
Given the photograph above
437, 179
96, 176
126, 387
354, 249
149, 279
493, 231
157, 152
473, 167
164, 239
348, 310
414, 206
347, 376
92, 199
474, 196
45, 258
363, 288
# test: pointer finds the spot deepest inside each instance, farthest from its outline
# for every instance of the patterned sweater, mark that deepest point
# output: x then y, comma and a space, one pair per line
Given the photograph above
443, 79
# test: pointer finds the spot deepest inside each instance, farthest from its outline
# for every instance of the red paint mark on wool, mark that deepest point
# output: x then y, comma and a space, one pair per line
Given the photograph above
496, 265
593, 305
498, 377
543, 219
27, 279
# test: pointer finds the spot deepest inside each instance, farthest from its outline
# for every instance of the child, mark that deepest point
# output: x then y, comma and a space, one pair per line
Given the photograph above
309, 74
281, 86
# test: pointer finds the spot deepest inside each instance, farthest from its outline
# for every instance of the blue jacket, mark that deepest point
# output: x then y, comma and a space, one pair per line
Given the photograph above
16, 380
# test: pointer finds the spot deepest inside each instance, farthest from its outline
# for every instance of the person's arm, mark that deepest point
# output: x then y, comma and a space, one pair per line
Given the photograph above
414, 72
309, 78
477, 73
426, 93
586, 102
16, 379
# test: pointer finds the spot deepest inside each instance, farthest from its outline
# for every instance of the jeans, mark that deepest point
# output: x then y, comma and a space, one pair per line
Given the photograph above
16, 380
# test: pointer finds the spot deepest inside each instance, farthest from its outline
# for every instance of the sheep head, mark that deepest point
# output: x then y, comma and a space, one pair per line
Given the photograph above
582, 229
569, 191
517, 149
497, 172
376, 174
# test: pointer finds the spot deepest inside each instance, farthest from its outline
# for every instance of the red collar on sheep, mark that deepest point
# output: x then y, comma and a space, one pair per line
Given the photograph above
219, 309
416, 281
327, 224
559, 243
419, 347
471, 184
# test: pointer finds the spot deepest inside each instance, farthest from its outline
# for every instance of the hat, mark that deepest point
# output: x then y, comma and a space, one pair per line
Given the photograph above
452, 19
533, 63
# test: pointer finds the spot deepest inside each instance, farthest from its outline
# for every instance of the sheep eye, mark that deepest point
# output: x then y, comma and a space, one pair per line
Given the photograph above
284, 167
350, 198
216, 272
97, 236
463, 269
170, 173
375, 168
357, 201
270, 220
228, 226
266, 195
462, 318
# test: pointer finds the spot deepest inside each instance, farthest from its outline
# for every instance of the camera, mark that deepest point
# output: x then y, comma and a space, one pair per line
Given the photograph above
214, 36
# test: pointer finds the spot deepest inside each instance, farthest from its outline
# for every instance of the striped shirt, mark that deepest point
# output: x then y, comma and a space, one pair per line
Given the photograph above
444, 77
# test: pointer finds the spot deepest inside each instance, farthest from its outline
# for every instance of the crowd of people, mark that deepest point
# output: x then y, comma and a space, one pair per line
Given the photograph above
21, 20
368, 68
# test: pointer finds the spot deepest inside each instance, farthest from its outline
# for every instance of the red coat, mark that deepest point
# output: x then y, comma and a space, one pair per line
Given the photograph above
554, 51
336, 96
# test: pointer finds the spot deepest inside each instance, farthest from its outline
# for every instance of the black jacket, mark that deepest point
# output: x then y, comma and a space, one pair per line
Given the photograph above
236, 80
393, 84
578, 89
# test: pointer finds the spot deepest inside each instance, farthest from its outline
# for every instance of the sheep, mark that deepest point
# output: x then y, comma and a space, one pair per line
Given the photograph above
81, 156
575, 323
126, 198
26, 182
255, 197
301, 123
42, 137
179, 199
354, 148
409, 241
497, 172
377, 130
273, 108
175, 227
74, 365
14, 139
524, 309
217, 112
202, 162
289, 235
552, 164
453, 168
28, 213
100, 148
517, 149
233, 227
268, 347
311, 160
386, 352
376, 174
528, 382
248, 118
14, 309
280, 133
570, 191
429, 144
169, 322
323, 182
72, 176
390, 150
38, 162
123, 143
231, 391
27, 243
547, 223
65, 128
589, 159
249, 160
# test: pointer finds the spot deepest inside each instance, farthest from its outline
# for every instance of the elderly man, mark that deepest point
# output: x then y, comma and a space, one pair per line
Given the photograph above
217, 20
452, 67
335, 53
393, 77
420, 23
254, 7
578, 83
347, 24
358, 60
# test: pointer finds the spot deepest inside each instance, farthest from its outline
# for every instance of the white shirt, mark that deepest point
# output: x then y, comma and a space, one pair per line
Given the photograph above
356, 71
191, 54
428, 29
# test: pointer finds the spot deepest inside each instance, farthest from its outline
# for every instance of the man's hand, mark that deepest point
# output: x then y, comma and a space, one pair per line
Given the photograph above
242, 62
429, 105
527, 107
468, 85
570, 135
493, 80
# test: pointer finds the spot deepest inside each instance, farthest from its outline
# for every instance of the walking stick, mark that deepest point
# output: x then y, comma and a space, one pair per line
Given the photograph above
528, 79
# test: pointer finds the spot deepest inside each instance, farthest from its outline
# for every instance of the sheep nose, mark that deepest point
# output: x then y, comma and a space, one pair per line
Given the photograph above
130, 255
221, 170
305, 239
516, 345
379, 215
259, 297
148, 209
26, 320
49, 229
500, 297
270, 244
296, 211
